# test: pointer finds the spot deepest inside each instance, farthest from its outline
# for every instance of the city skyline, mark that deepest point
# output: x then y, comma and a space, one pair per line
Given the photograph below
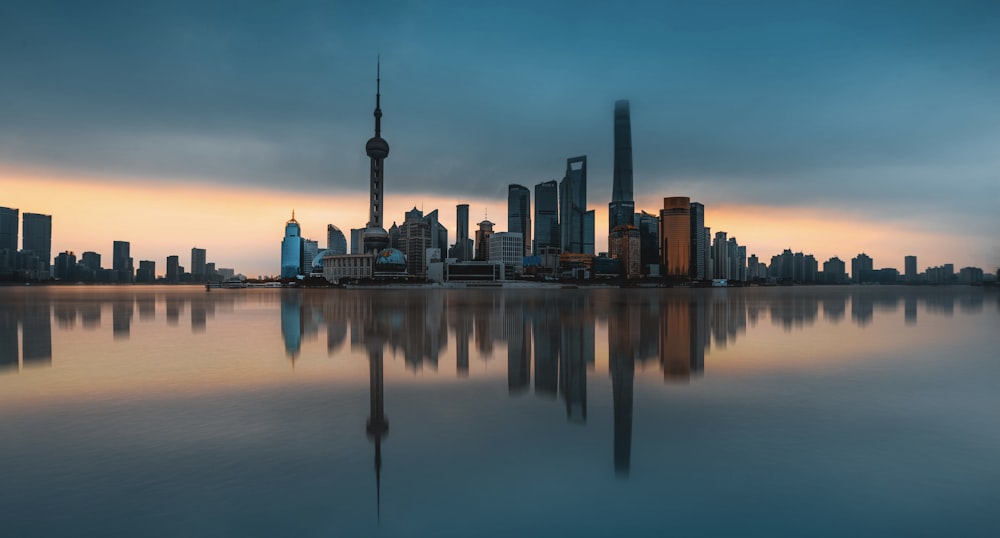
882, 147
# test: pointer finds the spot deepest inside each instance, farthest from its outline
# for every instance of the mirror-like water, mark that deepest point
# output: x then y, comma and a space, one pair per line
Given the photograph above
830, 411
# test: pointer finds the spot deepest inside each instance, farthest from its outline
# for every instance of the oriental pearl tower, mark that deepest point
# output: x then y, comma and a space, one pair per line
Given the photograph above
375, 238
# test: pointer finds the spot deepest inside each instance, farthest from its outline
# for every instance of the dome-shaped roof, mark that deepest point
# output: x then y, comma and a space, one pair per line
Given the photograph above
390, 257
318, 260
377, 148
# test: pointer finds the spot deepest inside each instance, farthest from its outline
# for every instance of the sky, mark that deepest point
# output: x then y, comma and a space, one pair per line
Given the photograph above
831, 128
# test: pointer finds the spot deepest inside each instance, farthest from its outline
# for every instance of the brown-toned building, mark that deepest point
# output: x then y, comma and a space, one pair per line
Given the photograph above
675, 237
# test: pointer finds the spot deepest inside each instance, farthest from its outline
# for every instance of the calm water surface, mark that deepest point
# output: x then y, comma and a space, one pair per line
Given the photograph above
160, 411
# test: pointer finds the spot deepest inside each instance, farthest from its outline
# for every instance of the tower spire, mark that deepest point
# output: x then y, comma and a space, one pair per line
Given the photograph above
378, 97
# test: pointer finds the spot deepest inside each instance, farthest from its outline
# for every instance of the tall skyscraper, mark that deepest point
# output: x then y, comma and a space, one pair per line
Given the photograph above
576, 224
698, 267
622, 206
37, 231
546, 216
483, 235
519, 213
146, 272
720, 256
291, 249
121, 261
861, 268
198, 261
375, 236
336, 243
649, 242
462, 233
675, 237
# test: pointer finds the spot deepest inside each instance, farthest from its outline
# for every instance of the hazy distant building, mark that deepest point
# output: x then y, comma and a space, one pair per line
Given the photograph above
37, 230
835, 270
199, 271
910, 268
675, 237
576, 223
8, 228
65, 266
146, 272
621, 210
546, 216
173, 268
336, 243
483, 235
91, 261
519, 213
720, 256
291, 249
861, 268
121, 261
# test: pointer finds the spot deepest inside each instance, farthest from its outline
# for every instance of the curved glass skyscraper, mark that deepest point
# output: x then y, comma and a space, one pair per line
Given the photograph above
621, 210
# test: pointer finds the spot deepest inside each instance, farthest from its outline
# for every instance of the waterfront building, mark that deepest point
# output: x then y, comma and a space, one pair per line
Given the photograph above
375, 238
707, 254
483, 240
519, 213
8, 228
546, 217
336, 243
625, 245
414, 240
698, 268
91, 261
720, 257
621, 210
173, 268
291, 249
199, 266
835, 270
337, 268
507, 248
65, 266
310, 251
576, 223
121, 261
462, 252
675, 237
862, 266
649, 239
910, 268
37, 238
146, 272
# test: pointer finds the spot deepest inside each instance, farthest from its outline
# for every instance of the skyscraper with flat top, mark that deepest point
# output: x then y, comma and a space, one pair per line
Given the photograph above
38, 236
8, 228
462, 233
198, 261
546, 216
576, 224
121, 261
622, 206
675, 236
519, 213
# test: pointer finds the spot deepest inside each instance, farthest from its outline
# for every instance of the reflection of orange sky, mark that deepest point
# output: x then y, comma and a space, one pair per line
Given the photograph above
242, 227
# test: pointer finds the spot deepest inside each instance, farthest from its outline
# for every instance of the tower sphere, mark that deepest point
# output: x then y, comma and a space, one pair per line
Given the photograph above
377, 148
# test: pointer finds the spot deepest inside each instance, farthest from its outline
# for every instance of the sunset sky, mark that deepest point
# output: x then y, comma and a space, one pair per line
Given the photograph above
825, 127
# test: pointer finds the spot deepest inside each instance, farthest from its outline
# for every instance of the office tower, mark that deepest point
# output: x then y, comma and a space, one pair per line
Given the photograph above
65, 266
394, 237
698, 241
37, 231
146, 272
439, 234
707, 246
649, 239
910, 268
621, 210
507, 248
483, 240
753, 267
732, 253
861, 268
375, 237
546, 216
8, 240
576, 224
741, 256
462, 233
310, 251
8, 228
625, 244
291, 249
675, 237
519, 213
121, 261
336, 243
198, 270
720, 257
173, 269
91, 260
415, 239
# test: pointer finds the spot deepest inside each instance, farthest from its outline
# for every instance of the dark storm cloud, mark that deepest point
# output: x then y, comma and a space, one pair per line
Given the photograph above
778, 102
